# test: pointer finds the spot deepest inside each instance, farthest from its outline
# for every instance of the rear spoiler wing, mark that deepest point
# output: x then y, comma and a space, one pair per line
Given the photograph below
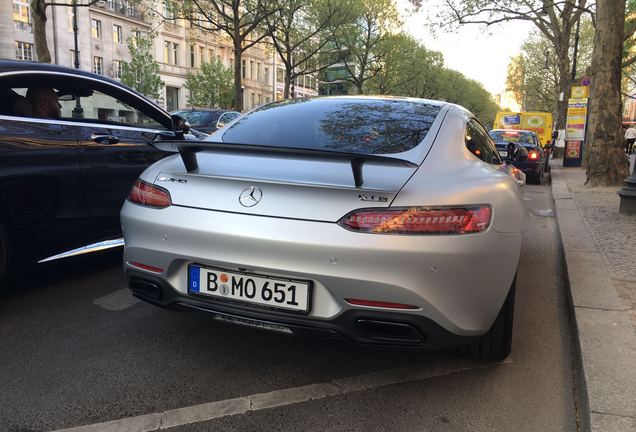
189, 149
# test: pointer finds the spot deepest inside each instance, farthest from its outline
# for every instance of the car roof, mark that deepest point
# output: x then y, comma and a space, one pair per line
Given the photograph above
25, 66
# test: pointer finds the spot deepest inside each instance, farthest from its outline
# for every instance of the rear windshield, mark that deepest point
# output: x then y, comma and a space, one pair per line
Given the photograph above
512, 136
362, 126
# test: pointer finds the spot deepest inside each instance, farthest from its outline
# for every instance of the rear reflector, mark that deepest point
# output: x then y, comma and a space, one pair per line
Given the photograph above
146, 267
419, 220
149, 195
381, 304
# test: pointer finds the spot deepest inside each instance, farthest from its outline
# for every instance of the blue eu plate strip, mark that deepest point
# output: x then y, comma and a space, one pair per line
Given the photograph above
195, 276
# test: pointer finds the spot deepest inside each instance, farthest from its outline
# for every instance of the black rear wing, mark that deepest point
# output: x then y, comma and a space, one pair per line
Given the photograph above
189, 149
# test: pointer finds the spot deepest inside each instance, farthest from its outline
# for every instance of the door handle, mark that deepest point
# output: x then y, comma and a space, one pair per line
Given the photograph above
101, 139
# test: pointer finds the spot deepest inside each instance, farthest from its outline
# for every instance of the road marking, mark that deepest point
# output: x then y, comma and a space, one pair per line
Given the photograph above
277, 398
118, 300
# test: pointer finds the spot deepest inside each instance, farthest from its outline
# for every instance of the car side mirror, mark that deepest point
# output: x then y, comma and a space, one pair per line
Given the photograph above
220, 124
179, 124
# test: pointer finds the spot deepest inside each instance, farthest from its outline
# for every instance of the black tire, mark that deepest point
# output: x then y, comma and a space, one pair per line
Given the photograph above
4, 257
497, 343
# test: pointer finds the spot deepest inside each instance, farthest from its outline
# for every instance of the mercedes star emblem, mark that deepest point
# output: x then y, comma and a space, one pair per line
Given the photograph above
250, 196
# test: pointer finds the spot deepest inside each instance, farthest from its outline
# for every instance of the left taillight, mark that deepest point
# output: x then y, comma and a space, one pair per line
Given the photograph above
149, 195
419, 220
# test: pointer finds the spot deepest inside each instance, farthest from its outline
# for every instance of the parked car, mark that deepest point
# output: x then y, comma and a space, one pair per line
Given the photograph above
207, 120
71, 145
366, 219
535, 163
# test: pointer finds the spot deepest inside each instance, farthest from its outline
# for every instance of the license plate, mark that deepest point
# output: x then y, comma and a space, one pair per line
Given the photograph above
503, 153
250, 288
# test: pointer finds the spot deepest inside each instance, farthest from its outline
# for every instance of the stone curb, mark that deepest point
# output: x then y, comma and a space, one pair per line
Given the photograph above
606, 337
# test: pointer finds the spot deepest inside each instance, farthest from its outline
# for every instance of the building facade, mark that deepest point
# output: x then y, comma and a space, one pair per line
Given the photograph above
179, 47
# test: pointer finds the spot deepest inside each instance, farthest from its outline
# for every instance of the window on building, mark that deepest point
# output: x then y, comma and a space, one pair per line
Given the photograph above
267, 99
253, 100
96, 28
175, 53
166, 52
98, 65
136, 36
118, 36
111, 4
259, 99
192, 55
118, 68
21, 11
280, 75
130, 9
243, 72
211, 54
258, 72
266, 78
252, 71
202, 55
23, 51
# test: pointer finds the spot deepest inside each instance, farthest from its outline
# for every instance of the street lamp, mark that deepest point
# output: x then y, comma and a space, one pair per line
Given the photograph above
628, 194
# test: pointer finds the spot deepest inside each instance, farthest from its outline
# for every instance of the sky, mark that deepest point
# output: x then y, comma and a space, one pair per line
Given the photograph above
479, 53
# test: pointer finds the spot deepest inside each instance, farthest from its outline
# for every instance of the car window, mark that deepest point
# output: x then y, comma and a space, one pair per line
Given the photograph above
512, 136
81, 100
479, 143
351, 125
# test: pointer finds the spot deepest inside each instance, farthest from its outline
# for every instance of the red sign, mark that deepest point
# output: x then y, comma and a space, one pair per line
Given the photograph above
573, 149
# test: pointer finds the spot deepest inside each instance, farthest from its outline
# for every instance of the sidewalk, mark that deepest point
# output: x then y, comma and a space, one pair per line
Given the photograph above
599, 245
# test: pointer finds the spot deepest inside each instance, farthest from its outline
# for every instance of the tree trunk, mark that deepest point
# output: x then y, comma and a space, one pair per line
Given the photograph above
238, 84
288, 80
604, 158
565, 83
38, 14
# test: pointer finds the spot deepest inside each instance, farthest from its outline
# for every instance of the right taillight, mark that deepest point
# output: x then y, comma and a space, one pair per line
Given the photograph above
419, 220
149, 195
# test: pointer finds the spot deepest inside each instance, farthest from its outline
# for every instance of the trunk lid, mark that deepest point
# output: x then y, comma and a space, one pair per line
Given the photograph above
299, 186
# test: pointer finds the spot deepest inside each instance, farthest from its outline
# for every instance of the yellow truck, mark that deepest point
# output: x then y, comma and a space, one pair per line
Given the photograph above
539, 122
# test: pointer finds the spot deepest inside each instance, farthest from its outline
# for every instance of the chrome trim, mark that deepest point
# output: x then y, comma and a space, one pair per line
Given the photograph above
95, 247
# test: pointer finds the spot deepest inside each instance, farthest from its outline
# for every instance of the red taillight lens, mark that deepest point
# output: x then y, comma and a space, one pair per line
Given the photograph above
533, 155
419, 220
149, 195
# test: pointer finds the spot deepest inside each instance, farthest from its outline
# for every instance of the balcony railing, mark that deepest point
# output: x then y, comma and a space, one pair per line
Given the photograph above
20, 25
123, 10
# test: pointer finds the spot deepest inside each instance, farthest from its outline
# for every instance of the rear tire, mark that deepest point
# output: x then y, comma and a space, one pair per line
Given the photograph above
497, 343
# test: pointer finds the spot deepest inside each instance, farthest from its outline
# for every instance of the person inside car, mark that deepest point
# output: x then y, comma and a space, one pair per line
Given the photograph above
44, 102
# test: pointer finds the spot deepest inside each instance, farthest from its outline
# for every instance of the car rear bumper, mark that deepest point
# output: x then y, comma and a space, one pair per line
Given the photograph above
457, 282
529, 167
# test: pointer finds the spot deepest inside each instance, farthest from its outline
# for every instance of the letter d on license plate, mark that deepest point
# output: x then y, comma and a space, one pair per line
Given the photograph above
248, 287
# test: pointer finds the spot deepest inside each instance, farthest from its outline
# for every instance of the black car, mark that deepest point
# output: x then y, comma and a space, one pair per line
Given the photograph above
535, 164
66, 169
207, 120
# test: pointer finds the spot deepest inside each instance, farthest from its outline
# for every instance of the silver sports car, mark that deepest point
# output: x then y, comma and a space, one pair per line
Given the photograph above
377, 220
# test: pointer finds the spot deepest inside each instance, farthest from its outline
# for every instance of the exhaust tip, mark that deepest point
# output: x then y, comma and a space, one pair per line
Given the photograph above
389, 331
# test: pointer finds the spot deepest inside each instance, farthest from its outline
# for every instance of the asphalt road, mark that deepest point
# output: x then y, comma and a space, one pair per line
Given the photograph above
76, 349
